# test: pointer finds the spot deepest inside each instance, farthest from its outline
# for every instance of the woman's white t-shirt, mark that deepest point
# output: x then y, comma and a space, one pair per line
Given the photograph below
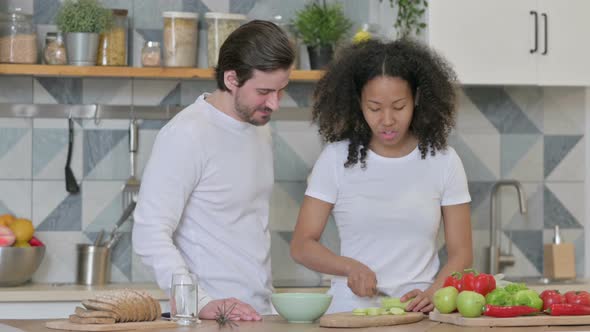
388, 215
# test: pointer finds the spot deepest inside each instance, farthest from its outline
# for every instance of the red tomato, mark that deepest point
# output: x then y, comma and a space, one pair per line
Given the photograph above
551, 296
484, 283
578, 297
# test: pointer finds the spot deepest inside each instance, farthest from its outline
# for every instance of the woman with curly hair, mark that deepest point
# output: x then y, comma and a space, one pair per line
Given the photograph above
387, 176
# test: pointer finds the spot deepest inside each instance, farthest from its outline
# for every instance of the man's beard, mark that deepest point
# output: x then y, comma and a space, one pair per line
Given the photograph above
247, 114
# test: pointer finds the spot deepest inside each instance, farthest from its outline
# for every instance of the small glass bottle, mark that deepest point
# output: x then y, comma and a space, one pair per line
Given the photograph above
150, 54
54, 52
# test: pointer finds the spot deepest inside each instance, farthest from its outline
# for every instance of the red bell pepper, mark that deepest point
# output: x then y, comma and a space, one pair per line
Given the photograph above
467, 281
508, 311
484, 283
578, 297
568, 309
470, 280
453, 280
551, 296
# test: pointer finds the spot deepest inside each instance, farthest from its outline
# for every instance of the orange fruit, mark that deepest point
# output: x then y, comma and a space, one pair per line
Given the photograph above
6, 219
23, 229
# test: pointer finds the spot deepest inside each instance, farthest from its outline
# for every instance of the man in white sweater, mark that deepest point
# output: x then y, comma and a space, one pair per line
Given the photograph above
204, 201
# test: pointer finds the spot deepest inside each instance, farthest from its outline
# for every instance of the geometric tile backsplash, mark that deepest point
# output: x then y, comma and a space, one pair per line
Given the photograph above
532, 134
549, 162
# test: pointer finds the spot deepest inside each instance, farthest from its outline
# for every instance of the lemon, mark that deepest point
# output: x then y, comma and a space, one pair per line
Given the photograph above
361, 36
23, 229
6, 219
21, 244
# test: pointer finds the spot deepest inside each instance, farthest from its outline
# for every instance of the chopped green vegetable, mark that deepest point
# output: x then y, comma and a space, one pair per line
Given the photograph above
397, 311
359, 312
394, 302
373, 311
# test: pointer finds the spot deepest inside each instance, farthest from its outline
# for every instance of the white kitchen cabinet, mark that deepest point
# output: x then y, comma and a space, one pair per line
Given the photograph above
567, 61
513, 42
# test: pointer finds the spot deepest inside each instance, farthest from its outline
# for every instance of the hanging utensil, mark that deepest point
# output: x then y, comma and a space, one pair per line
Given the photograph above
71, 183
99, 237
131, 187
114, 235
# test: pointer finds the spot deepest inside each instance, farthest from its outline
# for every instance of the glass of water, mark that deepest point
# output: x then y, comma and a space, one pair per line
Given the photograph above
183, 298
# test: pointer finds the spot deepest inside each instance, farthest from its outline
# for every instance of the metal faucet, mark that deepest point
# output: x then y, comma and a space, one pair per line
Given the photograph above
497, 260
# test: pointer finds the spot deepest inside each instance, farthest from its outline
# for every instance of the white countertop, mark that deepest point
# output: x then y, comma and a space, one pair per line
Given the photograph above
68, 292
61, 292
34, 292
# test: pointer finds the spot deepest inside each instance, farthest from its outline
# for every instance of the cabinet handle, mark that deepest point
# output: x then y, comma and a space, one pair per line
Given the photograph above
546, 21
534, 13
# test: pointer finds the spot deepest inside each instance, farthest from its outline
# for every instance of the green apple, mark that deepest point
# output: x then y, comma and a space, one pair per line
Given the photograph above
445, 299
470, 304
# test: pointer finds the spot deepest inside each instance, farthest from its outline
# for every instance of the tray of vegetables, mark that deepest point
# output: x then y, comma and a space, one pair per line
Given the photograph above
470, 298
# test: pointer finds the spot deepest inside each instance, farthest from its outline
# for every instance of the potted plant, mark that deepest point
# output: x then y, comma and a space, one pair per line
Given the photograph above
82, 21
321, 26
409, 16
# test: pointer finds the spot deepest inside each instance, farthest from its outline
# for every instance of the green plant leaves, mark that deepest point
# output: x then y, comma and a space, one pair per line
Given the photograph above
321, 25
409, 15
83, 16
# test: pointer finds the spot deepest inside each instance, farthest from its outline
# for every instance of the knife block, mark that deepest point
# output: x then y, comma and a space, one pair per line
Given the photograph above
559, 261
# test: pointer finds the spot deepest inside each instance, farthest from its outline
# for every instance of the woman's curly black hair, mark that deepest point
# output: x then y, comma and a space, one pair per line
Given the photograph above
337, 97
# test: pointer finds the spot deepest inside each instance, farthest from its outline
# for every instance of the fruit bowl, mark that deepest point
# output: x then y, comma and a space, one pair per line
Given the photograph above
17, 265
301, 307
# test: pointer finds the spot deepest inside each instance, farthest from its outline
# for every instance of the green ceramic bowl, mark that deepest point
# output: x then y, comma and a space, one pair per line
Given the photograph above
301, 307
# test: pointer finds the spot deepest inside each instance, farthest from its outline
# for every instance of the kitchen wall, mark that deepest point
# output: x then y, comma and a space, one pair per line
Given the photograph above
532, 134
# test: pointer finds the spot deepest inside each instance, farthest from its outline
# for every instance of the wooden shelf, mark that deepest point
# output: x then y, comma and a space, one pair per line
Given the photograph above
131, 72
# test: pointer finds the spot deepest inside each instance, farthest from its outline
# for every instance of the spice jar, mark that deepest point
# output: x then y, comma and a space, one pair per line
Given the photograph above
112, 47
150, 54
18, 40
221, 25
180, 39
55, 50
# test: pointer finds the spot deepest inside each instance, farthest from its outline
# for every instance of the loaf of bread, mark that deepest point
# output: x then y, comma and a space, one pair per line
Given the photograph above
118, 306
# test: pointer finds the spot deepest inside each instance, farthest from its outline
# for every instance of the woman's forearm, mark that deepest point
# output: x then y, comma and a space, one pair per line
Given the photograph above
315, 256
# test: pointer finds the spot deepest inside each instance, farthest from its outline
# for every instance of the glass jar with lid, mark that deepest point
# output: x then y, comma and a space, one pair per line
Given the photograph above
150, 54
112, 46
54, 52
220, 26
18, 39
289, 30
180, 39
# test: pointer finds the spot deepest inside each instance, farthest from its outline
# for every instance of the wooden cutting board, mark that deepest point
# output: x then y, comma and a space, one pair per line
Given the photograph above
347, 319
67, 325
538, 320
